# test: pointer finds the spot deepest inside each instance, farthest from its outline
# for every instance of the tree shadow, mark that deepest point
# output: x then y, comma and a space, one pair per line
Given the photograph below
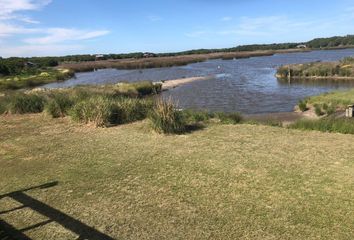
9, 232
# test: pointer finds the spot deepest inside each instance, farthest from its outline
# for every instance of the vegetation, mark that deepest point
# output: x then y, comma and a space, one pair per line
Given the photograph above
25, 103
108, 105
329, 124
337, 99
343, 69
302, 105
165, 118
332, 42
33, 78
224, 182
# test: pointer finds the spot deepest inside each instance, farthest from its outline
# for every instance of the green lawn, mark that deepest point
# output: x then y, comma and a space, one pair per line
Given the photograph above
222, 182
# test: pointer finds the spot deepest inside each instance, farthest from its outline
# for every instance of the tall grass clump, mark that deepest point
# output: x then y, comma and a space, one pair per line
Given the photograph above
345, 126
302, 105
98, 110
26, 103
228, 118
133, 109
318, 110
59, 105
166, 119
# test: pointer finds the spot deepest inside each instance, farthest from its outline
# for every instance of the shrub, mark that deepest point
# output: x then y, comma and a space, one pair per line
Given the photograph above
59, 105
302, 106
229, 118
318, 110
99, 110
166, 119
26, 103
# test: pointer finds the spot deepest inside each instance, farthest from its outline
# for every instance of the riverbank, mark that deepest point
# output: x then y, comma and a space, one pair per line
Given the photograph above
170, 84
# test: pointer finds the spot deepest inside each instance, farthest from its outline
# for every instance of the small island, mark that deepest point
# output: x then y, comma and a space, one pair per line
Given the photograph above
341, 70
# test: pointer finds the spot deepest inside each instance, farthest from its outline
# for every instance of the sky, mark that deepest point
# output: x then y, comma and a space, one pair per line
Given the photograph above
63, 27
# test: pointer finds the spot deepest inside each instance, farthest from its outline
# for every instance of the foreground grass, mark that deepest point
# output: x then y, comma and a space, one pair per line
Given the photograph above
223, 182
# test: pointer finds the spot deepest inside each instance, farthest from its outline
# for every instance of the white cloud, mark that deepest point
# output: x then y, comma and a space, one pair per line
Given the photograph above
7, 30
14, 21
9, 7
226, 19
58, 35
40, 50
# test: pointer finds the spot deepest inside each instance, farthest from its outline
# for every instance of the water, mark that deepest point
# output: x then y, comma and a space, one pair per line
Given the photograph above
244, 85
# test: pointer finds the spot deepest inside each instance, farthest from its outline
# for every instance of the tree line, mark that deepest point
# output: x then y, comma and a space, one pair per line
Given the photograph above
14, 65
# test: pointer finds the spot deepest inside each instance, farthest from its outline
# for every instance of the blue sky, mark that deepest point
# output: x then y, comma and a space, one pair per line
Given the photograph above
61, 27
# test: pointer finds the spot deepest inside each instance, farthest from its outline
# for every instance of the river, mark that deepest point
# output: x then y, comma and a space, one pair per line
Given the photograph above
248, 85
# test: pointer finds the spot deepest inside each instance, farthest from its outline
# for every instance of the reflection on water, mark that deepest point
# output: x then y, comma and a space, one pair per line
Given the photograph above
243, 85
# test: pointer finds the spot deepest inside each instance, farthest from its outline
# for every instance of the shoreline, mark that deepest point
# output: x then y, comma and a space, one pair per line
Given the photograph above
171, 84
182, 60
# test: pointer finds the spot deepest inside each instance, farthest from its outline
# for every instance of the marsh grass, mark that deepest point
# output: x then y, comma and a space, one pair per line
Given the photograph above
165, 118
25, 103
59, 105
98, 110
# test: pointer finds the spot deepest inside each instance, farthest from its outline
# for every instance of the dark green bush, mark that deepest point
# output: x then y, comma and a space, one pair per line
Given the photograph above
302, 106
99, 110
318, 110
166, 119
26, 103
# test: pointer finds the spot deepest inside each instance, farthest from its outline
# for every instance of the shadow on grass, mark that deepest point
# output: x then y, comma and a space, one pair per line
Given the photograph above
190, 128
9, 232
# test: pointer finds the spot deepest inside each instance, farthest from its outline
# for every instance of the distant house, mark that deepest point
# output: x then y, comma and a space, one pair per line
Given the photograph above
301, 46
148, 55
99, 57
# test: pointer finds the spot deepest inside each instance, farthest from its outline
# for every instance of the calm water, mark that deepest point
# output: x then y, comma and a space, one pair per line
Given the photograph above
244, 85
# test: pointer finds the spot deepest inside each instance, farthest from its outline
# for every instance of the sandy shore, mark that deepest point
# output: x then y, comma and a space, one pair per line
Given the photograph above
182, 81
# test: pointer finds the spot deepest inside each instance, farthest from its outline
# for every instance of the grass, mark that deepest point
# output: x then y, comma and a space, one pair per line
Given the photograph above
224, 182
29, 81
329, 124
338, 98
